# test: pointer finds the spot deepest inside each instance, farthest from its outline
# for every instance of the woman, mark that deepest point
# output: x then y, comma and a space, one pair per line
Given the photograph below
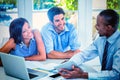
24, 42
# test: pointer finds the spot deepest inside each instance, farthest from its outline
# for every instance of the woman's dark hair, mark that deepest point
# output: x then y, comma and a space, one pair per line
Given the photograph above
111, 17
15, 29
54, 11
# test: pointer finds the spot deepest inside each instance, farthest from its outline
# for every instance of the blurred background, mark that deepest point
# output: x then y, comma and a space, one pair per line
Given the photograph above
81, 13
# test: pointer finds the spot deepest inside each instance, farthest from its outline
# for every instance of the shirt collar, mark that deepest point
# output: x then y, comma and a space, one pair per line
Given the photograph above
22, 44
114, 37
52, 29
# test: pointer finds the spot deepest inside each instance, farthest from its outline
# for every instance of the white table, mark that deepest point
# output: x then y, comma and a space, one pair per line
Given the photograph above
3, 76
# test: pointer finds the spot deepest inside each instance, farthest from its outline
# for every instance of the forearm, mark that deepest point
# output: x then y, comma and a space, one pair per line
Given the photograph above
36, 58
9, 45
62, 55
57, 55
40, 47
73, 52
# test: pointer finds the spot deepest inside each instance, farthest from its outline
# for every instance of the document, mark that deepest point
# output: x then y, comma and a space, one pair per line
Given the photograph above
39, 66
67, 65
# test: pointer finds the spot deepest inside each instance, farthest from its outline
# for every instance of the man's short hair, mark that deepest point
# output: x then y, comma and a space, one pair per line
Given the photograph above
54, 11
111, 17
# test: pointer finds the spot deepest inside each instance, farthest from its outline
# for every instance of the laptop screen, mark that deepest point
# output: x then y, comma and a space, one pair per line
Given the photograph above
15, 66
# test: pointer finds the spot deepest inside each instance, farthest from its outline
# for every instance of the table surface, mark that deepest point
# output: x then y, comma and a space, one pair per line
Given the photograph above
3, 76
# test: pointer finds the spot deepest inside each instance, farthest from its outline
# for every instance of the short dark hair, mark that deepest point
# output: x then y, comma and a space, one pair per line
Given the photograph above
15, 29
111, 17
54, 11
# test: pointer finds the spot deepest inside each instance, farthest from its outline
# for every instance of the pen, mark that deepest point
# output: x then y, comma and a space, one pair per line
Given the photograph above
64, 61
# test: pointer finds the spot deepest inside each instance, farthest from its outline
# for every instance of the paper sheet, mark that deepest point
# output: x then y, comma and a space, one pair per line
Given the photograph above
37, 64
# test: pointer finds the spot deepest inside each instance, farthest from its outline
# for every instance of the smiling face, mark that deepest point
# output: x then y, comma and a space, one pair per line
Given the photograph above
101, 27
59, 23
26, 32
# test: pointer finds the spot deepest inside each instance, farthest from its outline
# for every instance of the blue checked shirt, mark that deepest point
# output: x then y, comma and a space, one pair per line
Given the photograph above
66, 40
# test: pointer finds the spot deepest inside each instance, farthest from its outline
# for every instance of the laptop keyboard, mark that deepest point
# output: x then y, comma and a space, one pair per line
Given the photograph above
35, 73
32, 75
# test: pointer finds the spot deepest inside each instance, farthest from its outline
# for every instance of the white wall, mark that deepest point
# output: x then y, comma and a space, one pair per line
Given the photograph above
86, 10
4, 35
99, 4
85, 22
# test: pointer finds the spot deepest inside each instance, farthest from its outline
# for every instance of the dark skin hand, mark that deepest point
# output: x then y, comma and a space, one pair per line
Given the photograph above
74, 73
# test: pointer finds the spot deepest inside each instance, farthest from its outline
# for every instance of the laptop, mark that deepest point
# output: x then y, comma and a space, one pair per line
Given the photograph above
15, 66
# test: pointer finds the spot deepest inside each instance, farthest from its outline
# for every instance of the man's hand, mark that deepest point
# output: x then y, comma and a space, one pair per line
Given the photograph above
74, 73
70, 53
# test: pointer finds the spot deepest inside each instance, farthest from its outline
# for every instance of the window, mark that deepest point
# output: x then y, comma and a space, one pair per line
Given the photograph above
40, 8
8, 11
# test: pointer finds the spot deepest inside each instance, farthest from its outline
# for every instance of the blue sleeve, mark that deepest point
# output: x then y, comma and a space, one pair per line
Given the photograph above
47, 39
85, 55
74, 40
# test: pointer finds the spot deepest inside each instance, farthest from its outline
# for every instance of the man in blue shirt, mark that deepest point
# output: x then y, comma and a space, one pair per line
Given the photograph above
107, 26
60, 38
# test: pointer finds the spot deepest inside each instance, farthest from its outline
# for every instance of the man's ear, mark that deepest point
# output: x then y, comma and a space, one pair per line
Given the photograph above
109, 27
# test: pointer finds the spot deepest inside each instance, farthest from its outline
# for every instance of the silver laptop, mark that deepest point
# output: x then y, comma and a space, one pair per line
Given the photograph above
15, 66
